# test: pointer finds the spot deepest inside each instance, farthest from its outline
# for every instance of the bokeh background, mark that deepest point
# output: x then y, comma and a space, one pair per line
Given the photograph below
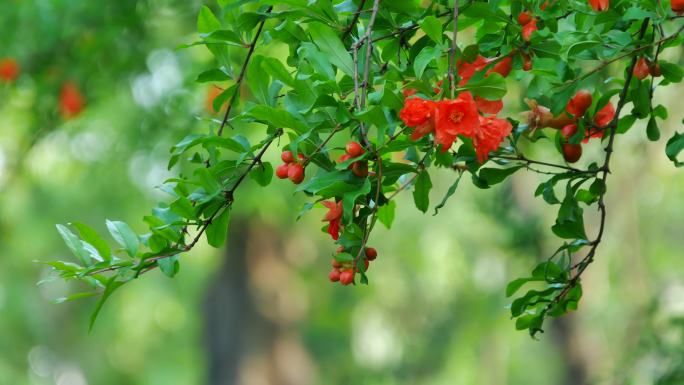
261, 310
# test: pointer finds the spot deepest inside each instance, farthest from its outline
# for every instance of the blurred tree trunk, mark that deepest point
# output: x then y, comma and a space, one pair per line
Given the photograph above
247, 342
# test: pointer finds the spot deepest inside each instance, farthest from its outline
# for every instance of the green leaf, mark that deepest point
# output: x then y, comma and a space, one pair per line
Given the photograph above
75, 297
124, 235
450, 192
672, 72
492, 87
652, 131
206, 21
74, 244
516, 284
421, 192
386, 214
433, 28
112, 284
275, 68
89, 235
497, 175
218, 229
349, 200
674, 146
278, 118
424, 58
329, 42
169, 265
212, 75
262, 174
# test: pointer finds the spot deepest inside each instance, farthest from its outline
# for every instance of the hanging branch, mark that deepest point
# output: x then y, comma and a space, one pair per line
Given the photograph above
452, 53
243, 71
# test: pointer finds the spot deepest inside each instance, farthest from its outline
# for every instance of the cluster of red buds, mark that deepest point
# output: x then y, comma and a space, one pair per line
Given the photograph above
292, 169
344, 272
354, 150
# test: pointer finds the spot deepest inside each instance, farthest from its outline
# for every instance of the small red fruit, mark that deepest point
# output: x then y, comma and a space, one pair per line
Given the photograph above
360, 169
334, 275
371, 253
579, 103
572, 152
347, 277
354, 149
9, 69
295, 172
340, 250
282, 171
335, 263
568, 131
524, 18
641, 70
287, 156
366, 263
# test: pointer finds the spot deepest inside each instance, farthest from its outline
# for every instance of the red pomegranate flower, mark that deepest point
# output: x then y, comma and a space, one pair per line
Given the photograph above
458, 116
599, 5
467, 70
333, 217
416, 111
605, 115
485, 106
489, 135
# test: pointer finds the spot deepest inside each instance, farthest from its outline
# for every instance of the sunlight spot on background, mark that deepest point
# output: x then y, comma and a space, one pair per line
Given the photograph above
48, 158
89, 146
164, 76
169, 315
443, 261
148, 172
375, 342
672, 300
489, 273
71, 376
41, 360
3, 166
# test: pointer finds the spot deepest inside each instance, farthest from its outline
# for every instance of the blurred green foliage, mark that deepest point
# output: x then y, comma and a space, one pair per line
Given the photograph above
435, 312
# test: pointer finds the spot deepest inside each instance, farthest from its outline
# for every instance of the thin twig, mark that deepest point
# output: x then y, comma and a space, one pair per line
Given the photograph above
243, 71
452, 53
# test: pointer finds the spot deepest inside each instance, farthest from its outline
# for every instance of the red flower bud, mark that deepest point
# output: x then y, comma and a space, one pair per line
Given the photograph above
677, 6
641, 70
347, 277
287, 156
605, 116
295, 172
528, 29
335, 263
572, 152
360, 169
654, 70
525, 17
354, 149
334, 275
371, 253
282, 171
599, 5
579, 104
568, 131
